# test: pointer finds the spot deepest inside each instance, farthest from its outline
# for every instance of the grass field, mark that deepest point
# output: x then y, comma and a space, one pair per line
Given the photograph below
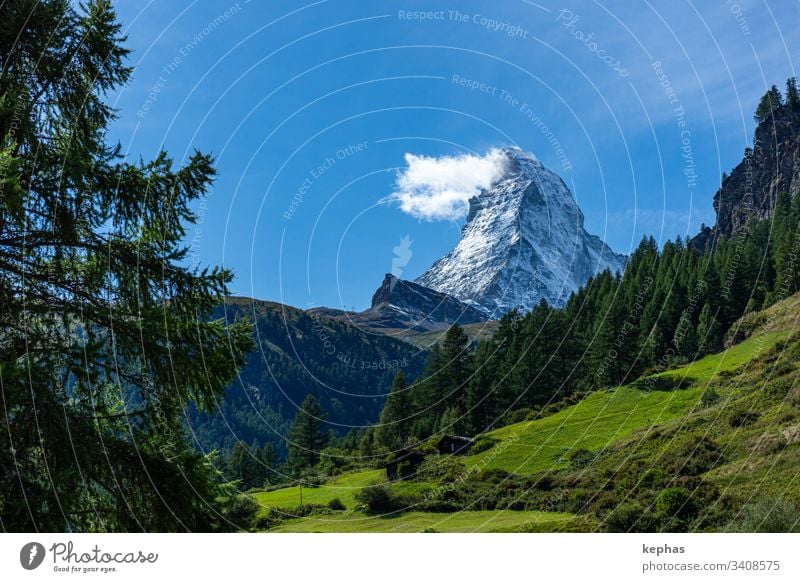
414, 522
595, 422
343, 488
607, 416
739, 355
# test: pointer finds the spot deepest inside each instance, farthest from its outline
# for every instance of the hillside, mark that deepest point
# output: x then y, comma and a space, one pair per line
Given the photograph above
347, 369
700, 447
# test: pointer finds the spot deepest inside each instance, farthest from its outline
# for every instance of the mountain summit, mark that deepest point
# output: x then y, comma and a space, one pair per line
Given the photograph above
523, 241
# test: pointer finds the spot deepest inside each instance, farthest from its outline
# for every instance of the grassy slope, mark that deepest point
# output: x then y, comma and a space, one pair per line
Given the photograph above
753, 423
607, 416
343, 488
410, 522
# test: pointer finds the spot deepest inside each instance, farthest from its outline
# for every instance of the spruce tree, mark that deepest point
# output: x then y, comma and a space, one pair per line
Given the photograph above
106, 333
483, 394
792, 95
307, 436
396, 418
455, 366
709, 336
685, 340
269, 460
770, 102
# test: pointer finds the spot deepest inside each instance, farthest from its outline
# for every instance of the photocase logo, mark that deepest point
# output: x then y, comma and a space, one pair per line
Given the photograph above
402, 255
31, 555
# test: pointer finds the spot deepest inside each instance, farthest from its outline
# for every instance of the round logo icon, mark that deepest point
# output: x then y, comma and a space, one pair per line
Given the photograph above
31, 555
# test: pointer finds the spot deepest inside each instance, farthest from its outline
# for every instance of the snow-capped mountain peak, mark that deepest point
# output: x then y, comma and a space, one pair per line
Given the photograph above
524, 240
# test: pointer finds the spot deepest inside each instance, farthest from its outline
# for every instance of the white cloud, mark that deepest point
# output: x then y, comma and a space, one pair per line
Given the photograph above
439, 188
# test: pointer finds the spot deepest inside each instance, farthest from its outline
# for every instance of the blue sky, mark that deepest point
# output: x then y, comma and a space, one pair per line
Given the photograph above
311, 108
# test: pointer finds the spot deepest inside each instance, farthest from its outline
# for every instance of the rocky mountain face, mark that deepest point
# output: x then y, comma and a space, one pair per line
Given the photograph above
524, 241
771, 166
412, 304
401, 307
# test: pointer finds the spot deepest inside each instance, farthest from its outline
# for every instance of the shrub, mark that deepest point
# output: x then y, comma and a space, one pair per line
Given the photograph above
577, 501
769, 515
767, 443
709, 397
743, 418
440, 468
242, 511
438, 506
378, 499
793, 398
336, 504
653, 478
743, 328
518, 415
694, 456
493, 475
675, 502
581, 458
267, 520
628, 517
335, 461
481, 445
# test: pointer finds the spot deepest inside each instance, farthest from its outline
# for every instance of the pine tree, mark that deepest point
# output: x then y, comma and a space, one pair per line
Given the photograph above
685, 339
103, 325
483, 394
792, 95
366, 445
455, 361
770, 102
307, 436
396, 418
451, 421
428, 392
237, 461
709, 335
269, 460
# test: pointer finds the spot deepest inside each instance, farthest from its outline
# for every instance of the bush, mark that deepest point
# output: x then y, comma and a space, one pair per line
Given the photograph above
481, 445
378, 499
793, 398
769, 515
438, 506
242, 511
744, 328
675, 502
767, 443
493, 475
653, 478
519, 415
628, 517
694, 456
709, 397
743, 418
335, 461
336, 504
441, 468
581, 458
267, 520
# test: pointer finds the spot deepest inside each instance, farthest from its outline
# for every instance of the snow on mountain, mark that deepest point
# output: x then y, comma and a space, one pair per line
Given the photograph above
524, 240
